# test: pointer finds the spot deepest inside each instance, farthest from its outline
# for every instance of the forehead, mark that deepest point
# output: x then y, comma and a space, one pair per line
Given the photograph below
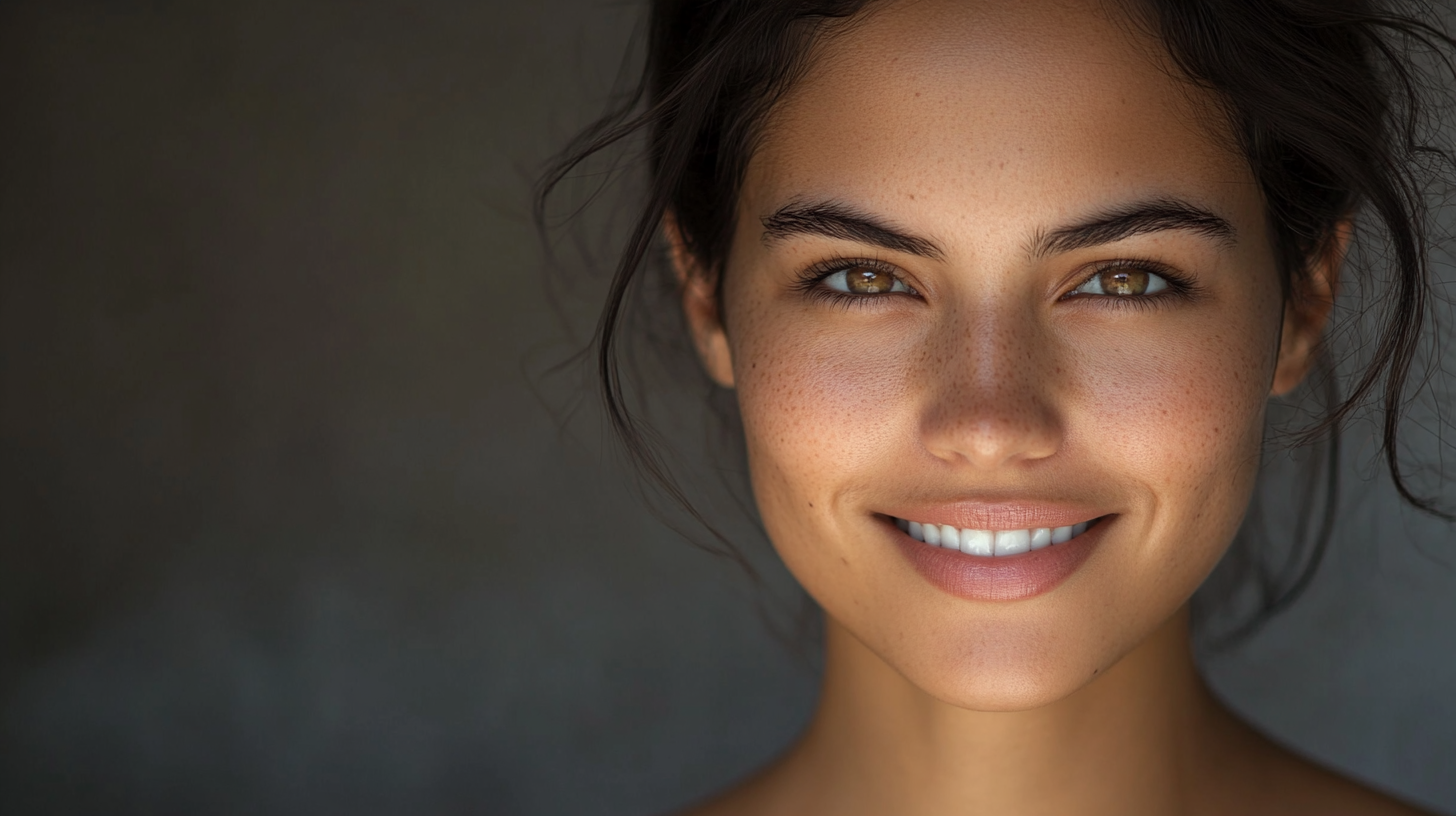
955, 109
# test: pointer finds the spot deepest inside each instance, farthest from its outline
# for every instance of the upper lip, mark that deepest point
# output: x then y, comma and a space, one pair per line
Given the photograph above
1009, 515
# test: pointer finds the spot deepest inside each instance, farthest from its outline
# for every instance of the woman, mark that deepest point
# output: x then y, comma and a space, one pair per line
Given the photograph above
1003, 290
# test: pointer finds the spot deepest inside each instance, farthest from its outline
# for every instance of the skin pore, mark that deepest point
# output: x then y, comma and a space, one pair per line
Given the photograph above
971, 173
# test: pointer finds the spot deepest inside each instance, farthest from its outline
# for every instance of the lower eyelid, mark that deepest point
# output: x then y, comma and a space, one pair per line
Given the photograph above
848, 301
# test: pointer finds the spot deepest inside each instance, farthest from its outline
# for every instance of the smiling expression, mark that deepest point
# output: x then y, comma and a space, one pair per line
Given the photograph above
994, 269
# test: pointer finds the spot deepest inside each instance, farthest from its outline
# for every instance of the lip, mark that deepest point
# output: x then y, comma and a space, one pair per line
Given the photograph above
1004, 577
998, 516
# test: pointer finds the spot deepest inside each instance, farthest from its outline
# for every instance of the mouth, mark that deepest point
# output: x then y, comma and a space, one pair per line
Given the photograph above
991, 542
997, 565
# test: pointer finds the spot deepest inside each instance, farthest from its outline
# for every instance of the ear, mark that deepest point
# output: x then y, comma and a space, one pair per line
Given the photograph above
1308, 311
700, 305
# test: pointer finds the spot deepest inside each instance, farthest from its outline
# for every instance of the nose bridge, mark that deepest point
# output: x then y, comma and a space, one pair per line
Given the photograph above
990, 393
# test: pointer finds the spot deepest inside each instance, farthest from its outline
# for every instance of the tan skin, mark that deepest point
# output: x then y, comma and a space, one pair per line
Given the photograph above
978, 368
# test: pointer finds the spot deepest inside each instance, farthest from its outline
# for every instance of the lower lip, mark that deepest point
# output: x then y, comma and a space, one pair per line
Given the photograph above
999, 578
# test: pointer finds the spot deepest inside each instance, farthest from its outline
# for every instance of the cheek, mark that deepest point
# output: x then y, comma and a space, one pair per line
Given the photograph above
1176, 428
828, 405
821, 403
1177, 405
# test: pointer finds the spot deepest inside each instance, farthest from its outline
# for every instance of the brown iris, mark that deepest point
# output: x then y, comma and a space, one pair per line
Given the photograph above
864, 280
1123, 281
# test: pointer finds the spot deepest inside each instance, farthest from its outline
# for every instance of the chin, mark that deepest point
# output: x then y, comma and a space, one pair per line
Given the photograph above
1005, 657
990, 673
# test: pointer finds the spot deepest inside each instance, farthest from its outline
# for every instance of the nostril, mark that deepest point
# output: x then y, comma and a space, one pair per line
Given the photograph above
990, 442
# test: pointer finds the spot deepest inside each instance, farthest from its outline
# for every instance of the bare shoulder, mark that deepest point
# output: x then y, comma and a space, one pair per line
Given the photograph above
1292, 784
1317, 790
729, 805
761, 794
747, 799
1265, 779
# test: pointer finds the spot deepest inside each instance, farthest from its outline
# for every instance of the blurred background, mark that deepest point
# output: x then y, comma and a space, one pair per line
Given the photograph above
295, 516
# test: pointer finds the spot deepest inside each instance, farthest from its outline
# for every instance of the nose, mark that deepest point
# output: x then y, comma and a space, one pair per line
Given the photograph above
990, 383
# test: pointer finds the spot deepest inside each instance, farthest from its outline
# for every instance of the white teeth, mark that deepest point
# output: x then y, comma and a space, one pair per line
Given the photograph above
1011, 542
977, 542
990, 542
932, 535
950, 537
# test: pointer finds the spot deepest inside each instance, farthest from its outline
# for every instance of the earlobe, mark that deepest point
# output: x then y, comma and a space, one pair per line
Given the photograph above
1307, 312
700, 306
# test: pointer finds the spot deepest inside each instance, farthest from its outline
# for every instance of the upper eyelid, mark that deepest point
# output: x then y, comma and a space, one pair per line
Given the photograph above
831, 265
816, 273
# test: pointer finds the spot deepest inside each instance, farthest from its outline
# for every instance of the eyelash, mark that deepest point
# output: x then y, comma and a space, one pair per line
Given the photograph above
1178, 287
811, 280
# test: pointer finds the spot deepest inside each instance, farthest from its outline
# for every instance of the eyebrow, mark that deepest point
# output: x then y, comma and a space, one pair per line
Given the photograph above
832, 219
1139, 218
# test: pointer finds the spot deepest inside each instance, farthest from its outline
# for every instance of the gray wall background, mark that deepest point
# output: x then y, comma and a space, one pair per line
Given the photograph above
285, 524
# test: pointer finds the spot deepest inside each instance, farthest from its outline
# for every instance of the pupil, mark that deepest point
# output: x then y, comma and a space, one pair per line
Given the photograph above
868, 281
1125, 282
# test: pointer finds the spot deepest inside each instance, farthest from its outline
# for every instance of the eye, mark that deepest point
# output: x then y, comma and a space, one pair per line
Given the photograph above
863, 279
1122, 281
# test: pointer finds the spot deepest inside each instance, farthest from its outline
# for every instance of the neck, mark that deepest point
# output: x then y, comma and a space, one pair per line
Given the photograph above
1142, 738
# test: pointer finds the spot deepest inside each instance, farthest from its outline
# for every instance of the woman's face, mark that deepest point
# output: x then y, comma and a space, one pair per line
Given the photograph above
996, 270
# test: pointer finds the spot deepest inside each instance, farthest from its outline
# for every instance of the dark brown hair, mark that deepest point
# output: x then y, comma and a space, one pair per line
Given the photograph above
1329, 103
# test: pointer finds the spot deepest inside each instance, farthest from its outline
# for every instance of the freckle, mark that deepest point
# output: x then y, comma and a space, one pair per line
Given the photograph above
811, 504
